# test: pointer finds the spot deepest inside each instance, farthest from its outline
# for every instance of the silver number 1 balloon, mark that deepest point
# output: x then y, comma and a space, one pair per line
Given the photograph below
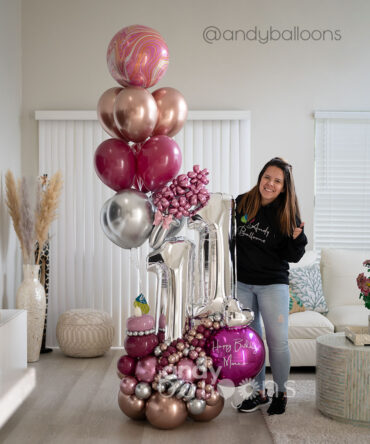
216, 262
216, 254
173, 265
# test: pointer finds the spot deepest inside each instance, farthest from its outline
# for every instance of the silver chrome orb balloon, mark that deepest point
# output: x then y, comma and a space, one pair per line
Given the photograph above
143, 390
196, 406
127, 218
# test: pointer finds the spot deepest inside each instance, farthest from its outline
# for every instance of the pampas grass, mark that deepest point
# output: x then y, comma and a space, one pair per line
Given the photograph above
32, 222
27, 222
47, 212
13, 204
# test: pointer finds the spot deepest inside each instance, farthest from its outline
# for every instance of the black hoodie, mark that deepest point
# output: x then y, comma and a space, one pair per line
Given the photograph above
263, 252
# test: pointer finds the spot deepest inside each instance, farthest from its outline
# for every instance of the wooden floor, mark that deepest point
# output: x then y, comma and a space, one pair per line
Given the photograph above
75, 401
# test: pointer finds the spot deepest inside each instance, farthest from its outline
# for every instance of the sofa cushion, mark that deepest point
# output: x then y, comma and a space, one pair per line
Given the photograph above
306, 325
346, 315
339, 270
305, 282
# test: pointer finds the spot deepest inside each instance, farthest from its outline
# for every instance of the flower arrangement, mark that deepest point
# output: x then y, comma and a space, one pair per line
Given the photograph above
363, 283
32, 215
184, 197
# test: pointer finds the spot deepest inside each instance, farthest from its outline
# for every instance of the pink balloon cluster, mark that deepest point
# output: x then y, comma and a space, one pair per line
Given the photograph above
185, 196
137, 58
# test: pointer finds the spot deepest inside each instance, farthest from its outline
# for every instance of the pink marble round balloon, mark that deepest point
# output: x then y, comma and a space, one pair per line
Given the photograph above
138, 56
128, 384
140, 323
126, 365
140, 346
238, 351
146, 369
186, 370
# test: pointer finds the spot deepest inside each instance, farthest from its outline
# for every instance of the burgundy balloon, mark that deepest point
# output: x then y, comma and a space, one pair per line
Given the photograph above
140, 346
115, 164
126, 365
128, 384
158, 161
146, 369
238, 352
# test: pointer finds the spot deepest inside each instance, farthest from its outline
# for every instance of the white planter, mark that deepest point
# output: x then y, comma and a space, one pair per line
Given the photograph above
31, 297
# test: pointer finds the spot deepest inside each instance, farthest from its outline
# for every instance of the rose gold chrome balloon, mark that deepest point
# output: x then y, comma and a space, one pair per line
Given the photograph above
211, 411
165, 413
214, 398
131, 406
128, 384
172, 111
135, 113
105, 111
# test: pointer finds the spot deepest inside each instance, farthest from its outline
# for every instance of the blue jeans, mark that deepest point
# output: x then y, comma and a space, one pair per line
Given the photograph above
272, 302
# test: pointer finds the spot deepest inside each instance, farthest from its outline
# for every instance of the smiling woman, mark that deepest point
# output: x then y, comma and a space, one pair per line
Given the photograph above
269, 235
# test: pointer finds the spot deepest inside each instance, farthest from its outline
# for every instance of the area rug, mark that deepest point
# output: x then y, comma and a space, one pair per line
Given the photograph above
302, 423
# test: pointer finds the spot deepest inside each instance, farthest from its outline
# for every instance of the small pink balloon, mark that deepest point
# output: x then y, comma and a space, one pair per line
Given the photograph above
186, 370
146, 369
126, 365
128, 384
159, 160
115, 164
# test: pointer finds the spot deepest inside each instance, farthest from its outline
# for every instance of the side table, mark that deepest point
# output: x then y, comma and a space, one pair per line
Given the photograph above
343, 379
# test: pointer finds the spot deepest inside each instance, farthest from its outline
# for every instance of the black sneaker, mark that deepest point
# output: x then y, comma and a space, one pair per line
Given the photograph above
278, 404
253, 404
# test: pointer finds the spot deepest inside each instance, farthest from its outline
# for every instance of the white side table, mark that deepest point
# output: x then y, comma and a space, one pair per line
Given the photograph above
343, 379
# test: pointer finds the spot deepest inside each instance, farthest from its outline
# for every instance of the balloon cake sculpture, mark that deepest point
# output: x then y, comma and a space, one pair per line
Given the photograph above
199, 335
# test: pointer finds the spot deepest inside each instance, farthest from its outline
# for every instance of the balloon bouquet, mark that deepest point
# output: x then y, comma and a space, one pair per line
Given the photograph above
199, 335
141, 156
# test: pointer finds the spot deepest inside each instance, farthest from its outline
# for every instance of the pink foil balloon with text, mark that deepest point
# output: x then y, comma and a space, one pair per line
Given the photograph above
115, 164
146, 369
159, 161
137, 55
135, 113
172, 111
238, 351
105, 112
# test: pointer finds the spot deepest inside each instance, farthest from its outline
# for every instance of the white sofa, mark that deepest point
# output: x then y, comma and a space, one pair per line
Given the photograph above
339, 269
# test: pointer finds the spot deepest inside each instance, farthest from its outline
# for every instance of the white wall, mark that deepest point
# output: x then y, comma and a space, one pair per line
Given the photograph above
281, 82
10, 141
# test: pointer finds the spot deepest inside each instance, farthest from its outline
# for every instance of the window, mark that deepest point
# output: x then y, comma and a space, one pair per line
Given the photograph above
342, 180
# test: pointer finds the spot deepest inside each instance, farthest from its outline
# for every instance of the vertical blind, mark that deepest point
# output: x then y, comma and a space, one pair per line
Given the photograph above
342, 180
86, 269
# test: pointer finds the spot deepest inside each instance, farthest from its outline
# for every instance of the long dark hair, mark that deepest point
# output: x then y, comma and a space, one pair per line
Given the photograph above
288, 208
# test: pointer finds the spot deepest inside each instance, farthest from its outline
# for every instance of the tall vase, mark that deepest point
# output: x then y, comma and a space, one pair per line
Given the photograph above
31, 297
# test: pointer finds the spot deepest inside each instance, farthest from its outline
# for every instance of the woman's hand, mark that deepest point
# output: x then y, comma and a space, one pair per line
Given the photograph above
297, 231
